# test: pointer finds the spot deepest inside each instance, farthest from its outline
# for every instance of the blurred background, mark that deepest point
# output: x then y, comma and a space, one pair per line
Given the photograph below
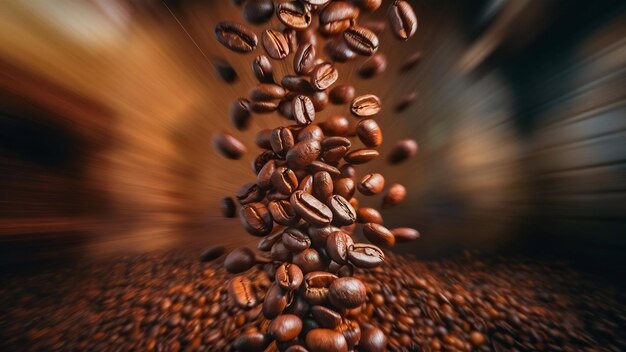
107, 109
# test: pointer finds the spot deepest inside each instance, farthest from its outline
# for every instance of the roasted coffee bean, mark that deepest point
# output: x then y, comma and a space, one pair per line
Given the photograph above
354, 202
275, 196
313, 132
368, 5
262, 159
365, 215
281, 140
308, 260
411, 61
258, 11
325, 317
285, 327
275, 44
361, 156
266, 243
403, 150
296, 240
249, 193
373, 66
369, 133
344, 187
319, 166
365, 105
319, 235
263, 70
320, 100
240, 113
228, 206
263, 107
304, 59
402, 19
405, 102
371, 184
229, 146
285, 108
336, 125
351, 331
379, 235
326, 340
347, 170
276, 300
289, 276
405, 234
316, 286
251, 341
299, 306
334, 148
341, 94
236, 36
347, 292
267, 92
323, 76
306, 36
395, 195
242, 292
373, 340
338, 50
303, 110
361, 40
262, 140
365, 255
284, 180
212, 253
297, 84
292, 38
337, 245
336, 17
303, 153
294, 14
239, 260
256, 219
279, 252
322, 185
225, 71
310, 209
306, 184
343, 213
283, 212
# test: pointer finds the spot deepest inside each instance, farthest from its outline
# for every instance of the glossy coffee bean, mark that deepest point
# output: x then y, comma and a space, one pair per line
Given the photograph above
304, 59
313, 132
284, 180
310, 209
404, 102
303, 154
275, 302
371, 184
236, 36
256, 219
297, 84
365, 215
326, 317
285, 108
319, 235
279, 252
281, 140
275, 44
289, 276
337, 245
249, 193
336, 125
262, 140
242, 292
379, 235
403, 150
320, 100
368, 5
372, 340
212, 253
369, 133
239, 260
322, 185
263, 107
405, 234
402, 19
263, 70
347, 170
320, 166
341, 94
306, 184
337, 17
258, 11
228, 146
294, 14
266, 243
361, 40
365, 255
296, 240
334, 148
347, 292
351, 331
344, 187
395, 195
323, 76
283, 212
365, 105
228, 207
411, 61
317, 285
251, 341
343, 212
338, 50
240, 113
226, 72
373, 66
361, 156
326, 340
267, 92
308, 260
285, 327
303, 110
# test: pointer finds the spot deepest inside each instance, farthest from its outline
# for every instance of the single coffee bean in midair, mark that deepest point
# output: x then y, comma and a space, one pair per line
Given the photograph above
403, 150
347, 292
240, 113
338, 50
258, 11
395, 195
310, 209
294, 14
281, 140
289, 276
296, 240
304, 59
361, 40
336, 125
256, 219
212, 253
249, 193
242, 292
365, 105
373, 66
275, 44
369, 133
341, 94
285, 327
343, 213
263, 70
366, 214
229, 146
283, 212
267, 92
303, 153
239, 260
326, 340
226, 72
371, 184
337, 244
228, 206
236, 36
402, 19
303, 110
361, 156
365, 255
405, 234
323, 76
379, 235
284, 180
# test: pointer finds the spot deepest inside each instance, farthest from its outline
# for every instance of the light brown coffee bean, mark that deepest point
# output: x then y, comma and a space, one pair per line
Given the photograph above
371, 184
402, 19
294, 14
395, 195
365, 105
323, 76
379, 235
361, 156
361, 40
369, 133
228, 146
303, 110
236, 36
275, 44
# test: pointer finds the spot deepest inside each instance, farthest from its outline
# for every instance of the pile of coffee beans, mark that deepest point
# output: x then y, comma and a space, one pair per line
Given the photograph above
302, 201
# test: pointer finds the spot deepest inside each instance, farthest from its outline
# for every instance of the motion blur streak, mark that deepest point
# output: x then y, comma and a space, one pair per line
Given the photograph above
108, 108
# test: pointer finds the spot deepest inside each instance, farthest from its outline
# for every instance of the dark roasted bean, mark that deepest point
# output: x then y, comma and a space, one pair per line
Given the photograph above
262, 159
322, 185
371, 184
351, 331
304, 59
361, 156
365, 255
242, 292
236, 36
228, 206
369, 133
320, 100
285, 327
337, 17
296, 240
341, 94
284, 180
279, 252
281, 140
303, 110
263, 70
319, 235
289, 276
212, 253
379, 235
275, 44
344, 187
361, 40
225, 71
395, 195
368, 5
310, 132
310, 209
308, 260
256, 219
303, 154
300, 85
228, 146
266, 243
373, 66
323, 76
334, 148
326, 340
240, 113
316, 286
262, 139
306, 184
402, 19
403, 150
347, 170
275, 302
294, 14
365, 105
337, 245
258, 11
347, 292
364, 215
251, 341
239, 260
325, 317
405, 234
336, 125
338, 50
267, 92
373, 340
249, 193
263, 107
317, 166
343, 213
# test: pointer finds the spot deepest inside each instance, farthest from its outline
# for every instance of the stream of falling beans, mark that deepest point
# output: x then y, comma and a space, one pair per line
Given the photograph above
302, 202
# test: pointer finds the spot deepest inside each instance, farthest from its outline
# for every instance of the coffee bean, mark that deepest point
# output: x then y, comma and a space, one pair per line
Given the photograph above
323, 76
281, 140
379, 235
337, 244
308, 260
341, 94
344, 187
228, 206
371, 184
266, 243
316, 286
252, 341
262, 140
405, 234
347, 292
289, 276
320, 166
405, 102
343, 213
322, 185
336, 17
285, 327
365, 105
229, 146
295, 240
325, 317
300, 85
338, 50
395, 195
334, 148
258, 11
319, 235
236, 36
373, 340
279, 252
403, 150
275, 44
365, 215
306, 184
283, 212
361, 156
225, 71
365, 255
350, 331
303, 154
303, 110
239, 260
373, 66
240, 114
284, 180
354, 202
249, 193
320, 100
285, 109
267, 92
263, 107
402, 19
336, 125
312, 131
303, 61
361, 40
326, 340
212, 253
411, 61
242, 292
276, 300
263, 70
256, 219
347, 170
310, 209
294, 14
369, 133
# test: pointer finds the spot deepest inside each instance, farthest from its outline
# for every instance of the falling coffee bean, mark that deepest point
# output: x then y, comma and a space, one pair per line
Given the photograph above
294, 14
212, 253
310, 209
239, 260
365, 105
323, 76
267, 92
304, 59
296, 240
361, 40
405, 102
337, 17
258, 11
402, 19
405, 234
225, 71
303, 154
285, 327
373, 66
326, 340
411, 62
395, 195
379, 235
371, 184
242, 292
365, 215
338, 50
341, 94
283, 212
275, 44
365, 255
337, 244
347, 292
284, 180
303, 110
229, 146
236, 36
361, 156
369, 133
240, 113
228, 206
263, 70
289, 276
403, 150
343, 213
256, 219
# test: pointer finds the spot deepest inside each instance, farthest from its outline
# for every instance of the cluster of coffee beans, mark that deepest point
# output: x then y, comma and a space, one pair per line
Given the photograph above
302, 201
